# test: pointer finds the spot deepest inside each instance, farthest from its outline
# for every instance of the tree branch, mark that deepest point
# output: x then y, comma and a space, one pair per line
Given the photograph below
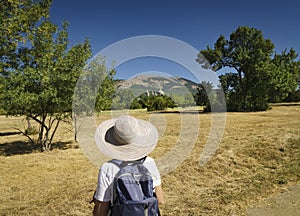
25, 135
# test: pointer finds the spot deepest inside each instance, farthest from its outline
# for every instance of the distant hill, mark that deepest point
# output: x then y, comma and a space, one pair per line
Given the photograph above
168, 85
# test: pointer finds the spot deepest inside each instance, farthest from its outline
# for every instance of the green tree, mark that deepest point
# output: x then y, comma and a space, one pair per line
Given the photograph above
159, 102
153, 102
18, 18
100, 80
231, 87
189, 100
40, 74
293, 96
95, 88
123, 99
201, 97
216, 101
136, 104
178, 99
284, 73
249, 54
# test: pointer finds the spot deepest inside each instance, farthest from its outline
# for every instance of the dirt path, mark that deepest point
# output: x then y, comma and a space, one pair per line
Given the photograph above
284, 204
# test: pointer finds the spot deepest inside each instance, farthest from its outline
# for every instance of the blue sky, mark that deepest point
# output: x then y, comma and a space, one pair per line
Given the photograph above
197, 23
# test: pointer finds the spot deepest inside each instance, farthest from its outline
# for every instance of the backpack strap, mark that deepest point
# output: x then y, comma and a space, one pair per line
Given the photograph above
119, 164
143, 159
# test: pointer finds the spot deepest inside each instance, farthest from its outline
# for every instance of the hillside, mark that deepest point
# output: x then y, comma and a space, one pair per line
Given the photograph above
169, 85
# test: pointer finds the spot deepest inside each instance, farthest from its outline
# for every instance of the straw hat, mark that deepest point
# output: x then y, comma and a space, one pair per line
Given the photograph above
126, 138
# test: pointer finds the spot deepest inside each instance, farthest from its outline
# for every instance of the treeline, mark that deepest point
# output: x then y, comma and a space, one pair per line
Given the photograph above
205, 96
125, 99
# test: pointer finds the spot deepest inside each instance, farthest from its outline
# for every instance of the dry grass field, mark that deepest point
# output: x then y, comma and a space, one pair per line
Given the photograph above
259, 156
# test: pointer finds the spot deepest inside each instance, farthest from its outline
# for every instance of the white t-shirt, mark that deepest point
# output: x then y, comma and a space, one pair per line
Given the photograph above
107, 173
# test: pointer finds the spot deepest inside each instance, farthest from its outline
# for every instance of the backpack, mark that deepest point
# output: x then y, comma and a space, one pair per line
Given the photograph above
133, 190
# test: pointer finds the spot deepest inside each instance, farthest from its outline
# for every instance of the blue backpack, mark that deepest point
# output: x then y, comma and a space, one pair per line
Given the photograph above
133, 190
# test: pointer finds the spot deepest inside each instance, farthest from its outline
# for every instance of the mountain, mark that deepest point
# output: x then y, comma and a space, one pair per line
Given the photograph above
168, 85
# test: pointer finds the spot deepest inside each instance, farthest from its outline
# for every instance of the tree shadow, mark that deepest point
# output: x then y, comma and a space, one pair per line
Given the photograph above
64, 145
22, 147
286, 104
180, 112
17, 148
9, 133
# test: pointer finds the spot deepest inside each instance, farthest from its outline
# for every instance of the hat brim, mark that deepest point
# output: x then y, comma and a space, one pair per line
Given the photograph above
142, 146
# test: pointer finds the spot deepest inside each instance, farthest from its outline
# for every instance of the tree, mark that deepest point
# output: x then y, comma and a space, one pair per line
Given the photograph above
99, 79
159, 102
249, 54
95, 88
189, 100
201, 97
178, 99
231, 87
284, 74
40, 74
293, 96
123, 99
18, 18
153, 102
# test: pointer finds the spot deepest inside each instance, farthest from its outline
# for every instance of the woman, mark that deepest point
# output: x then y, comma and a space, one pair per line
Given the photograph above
127, 139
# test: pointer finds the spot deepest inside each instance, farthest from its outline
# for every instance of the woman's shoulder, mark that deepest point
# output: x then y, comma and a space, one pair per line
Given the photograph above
150, 162
110, 166
149, 159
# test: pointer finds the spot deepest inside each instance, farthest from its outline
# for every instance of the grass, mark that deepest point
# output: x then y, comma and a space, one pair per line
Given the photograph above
259, 155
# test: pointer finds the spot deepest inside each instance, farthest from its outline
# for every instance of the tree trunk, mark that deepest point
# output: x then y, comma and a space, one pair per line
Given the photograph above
28, 122
40, 139
75, 128
45, 144
243, 90
43, 139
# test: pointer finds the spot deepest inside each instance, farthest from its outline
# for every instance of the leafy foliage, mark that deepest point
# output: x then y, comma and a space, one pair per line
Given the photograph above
259, 78
293, 96
95, 88
201, 97
123, 99
18, 18
284, 75
153, 102
40, 74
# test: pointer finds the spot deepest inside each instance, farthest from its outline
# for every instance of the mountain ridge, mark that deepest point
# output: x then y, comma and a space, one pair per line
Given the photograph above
167, 84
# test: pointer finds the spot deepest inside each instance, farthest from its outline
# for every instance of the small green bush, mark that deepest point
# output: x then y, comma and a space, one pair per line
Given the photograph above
31, 131
3, 112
